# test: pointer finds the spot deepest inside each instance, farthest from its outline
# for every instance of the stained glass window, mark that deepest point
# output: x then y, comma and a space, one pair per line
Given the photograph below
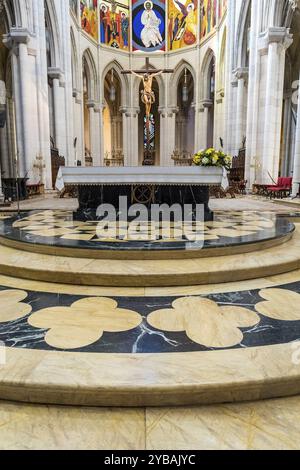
151, 133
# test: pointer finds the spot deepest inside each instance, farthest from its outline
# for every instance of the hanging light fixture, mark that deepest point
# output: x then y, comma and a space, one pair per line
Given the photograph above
112, 92
185, 90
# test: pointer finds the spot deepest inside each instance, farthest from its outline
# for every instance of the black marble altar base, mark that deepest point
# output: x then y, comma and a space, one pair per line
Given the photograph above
91, 197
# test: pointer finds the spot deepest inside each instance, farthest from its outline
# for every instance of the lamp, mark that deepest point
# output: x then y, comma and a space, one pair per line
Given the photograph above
112, 91
185, 90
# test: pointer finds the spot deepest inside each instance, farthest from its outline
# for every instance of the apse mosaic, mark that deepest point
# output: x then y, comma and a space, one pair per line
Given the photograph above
182, 23
115, 24
89, 17
64, 322
148, 25
61, 229
208, 18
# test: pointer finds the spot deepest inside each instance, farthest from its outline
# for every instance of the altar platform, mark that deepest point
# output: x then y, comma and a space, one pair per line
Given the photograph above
58, 232
100, 331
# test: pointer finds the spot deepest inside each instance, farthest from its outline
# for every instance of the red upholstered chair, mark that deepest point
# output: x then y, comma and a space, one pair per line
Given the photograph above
283, 188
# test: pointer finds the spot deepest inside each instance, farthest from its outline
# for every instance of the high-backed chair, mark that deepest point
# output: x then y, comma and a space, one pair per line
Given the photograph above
283, 188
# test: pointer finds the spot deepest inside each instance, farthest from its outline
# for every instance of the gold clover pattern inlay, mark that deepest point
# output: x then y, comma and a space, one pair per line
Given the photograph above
204, 321
11, 306
84, 322
279, 304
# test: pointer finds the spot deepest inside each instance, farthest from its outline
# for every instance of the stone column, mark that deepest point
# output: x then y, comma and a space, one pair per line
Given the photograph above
242, 77
275, 42
286, 148
164, 159
230, 59
134, 137
253, 104
78, 127
4, 165
206, 104
17, 40
97, 135
296, 171
102, 149
126, 138
91, 106
232, 117
55, 75
171, 132
119, 132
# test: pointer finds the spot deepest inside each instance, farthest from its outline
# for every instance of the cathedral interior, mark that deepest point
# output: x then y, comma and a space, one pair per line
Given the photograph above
150, 334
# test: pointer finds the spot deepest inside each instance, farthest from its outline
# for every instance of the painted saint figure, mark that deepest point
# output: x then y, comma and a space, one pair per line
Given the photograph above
114, 24
183, 23
150, 34
103, 23
125, 29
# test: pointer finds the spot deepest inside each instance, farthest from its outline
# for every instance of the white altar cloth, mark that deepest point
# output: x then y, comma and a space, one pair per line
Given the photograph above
142, 175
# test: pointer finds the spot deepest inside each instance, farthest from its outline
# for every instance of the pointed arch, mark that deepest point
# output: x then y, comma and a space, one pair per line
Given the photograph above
222, 60
281, 13
208, 61
242, 32
90, 69
115, 65
53, 33
179, 69
19, 13
74, 61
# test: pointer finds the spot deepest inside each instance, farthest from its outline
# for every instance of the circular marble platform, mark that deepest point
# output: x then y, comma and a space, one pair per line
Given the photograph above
151, 273
56, 232
113, 347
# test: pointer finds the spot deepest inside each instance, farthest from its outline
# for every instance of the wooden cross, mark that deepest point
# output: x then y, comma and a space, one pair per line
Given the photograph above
148, 69
148, 98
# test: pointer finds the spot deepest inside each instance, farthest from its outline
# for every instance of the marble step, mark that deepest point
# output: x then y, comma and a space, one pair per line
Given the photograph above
150, 254
124, 380
151, 273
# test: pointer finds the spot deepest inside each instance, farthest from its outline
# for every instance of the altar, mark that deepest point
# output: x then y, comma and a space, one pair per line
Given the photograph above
141, 185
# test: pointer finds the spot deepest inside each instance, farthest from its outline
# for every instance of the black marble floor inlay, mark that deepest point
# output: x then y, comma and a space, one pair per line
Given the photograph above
58, 229
47, 321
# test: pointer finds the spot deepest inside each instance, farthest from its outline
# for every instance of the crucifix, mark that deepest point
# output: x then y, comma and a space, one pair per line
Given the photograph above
148, 98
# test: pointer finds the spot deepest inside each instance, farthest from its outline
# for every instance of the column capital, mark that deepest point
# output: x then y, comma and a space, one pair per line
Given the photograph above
172, 109
275, 35
91, 104
55, 73
162, 111
241, 73
220, 94
206, 103
124, 110
234, 80
16, 36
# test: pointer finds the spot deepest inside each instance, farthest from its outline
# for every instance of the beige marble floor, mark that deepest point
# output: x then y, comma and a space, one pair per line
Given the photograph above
272, 424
